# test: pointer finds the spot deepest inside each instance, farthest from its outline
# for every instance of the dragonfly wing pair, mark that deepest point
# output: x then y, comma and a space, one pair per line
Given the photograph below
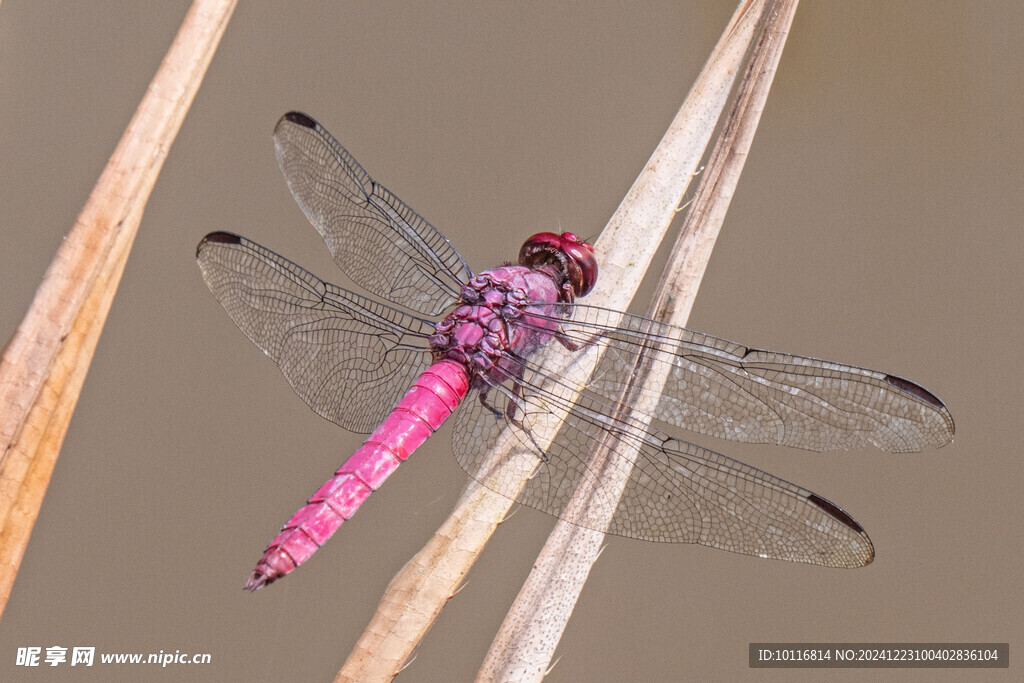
351, 358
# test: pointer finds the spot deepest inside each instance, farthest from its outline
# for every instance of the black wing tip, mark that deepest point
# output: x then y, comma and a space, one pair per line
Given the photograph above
916, 390
299, 119
219, 237
841, 515
836, 512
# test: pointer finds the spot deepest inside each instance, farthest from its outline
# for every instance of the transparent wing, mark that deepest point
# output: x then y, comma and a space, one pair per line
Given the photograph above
349, 358
677, 491
727, 390
378, 241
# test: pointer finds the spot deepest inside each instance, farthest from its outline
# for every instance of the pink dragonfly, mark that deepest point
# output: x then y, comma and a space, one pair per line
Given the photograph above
361, 363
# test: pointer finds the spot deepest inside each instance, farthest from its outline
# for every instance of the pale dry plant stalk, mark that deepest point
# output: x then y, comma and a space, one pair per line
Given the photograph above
45, 362
524, 646
419, 591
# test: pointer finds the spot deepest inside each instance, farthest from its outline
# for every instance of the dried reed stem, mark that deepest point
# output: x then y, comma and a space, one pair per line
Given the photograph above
44, 364
525, 644
419, 591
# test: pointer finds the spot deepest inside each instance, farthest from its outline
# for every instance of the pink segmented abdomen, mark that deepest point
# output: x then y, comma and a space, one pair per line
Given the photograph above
433, 397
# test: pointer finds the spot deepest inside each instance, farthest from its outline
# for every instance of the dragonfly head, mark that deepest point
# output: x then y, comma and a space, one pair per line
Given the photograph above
573, 258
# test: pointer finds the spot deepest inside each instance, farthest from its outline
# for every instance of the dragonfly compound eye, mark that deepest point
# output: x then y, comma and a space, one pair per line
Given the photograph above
574, 256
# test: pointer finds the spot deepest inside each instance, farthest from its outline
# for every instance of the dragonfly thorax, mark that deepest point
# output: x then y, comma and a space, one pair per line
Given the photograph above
493, 318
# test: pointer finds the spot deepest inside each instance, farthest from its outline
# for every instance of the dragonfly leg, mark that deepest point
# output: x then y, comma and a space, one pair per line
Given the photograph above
572, 345
515, 397
511, 407
486, 404
515, 404
564, 340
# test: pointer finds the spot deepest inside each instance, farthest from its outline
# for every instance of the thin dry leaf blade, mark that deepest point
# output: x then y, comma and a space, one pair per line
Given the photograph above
44, 364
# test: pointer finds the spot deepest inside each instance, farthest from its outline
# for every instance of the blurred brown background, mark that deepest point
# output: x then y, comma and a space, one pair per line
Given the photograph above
877, 223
